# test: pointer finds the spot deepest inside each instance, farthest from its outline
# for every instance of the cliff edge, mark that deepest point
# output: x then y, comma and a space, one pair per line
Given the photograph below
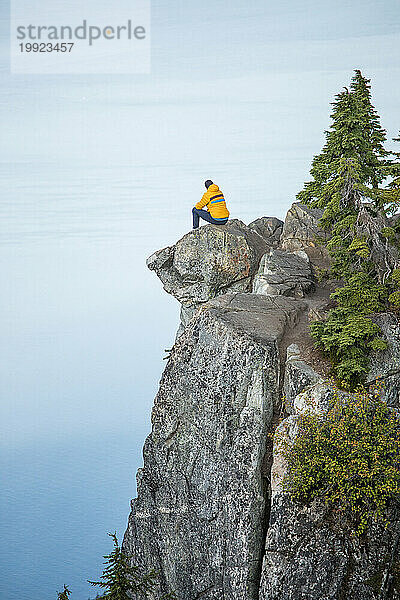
209, 515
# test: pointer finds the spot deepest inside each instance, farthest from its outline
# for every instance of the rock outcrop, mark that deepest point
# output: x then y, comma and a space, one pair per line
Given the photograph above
270, 228
302, 231
209, 261
210, 515
284, 273
201, 511
298, 377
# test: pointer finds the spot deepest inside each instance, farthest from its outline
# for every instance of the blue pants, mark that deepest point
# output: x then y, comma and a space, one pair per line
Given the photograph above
204, 214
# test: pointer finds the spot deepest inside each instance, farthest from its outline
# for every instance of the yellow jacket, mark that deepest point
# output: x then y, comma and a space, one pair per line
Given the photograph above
214, 199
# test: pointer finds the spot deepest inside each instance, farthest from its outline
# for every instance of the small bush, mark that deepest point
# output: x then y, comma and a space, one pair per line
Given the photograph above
394, 298
348, 336
348, 457
394, 282
389, 233
362, 293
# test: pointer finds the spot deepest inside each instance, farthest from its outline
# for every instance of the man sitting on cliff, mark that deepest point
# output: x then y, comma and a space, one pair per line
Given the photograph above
214, 200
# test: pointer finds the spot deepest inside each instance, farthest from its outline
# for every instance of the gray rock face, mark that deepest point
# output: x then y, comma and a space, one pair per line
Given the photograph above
301, 231
200, 515
307, 558
385, 366
298, 376
209, 262
309, 554
270, 228
284, 273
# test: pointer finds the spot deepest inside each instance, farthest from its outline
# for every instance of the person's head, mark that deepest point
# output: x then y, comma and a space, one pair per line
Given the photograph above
208, 183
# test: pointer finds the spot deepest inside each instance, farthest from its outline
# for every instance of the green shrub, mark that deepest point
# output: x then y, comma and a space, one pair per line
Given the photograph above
394, 282
395, 276
388, 233
348, 336
394, 298
349, 457
363, 293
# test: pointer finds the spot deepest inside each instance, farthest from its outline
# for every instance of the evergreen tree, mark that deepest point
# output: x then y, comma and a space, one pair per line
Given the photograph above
65, 594
355, 137
347, 179
371, 143
121, 581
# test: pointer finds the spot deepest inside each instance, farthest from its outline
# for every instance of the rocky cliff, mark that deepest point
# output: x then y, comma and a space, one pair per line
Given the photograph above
210, 515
